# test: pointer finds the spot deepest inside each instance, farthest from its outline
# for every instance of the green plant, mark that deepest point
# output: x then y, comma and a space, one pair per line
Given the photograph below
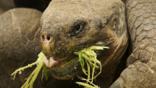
87, 57
33, 76
89, 63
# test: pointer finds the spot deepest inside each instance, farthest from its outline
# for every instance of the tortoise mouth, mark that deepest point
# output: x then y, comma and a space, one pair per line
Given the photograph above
67, 67
62, 69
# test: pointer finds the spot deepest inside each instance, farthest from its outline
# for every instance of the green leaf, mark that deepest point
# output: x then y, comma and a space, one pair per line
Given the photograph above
33, 76
88, 57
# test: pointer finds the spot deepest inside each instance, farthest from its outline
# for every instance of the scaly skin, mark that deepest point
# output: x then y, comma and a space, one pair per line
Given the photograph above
140, 73
69, 26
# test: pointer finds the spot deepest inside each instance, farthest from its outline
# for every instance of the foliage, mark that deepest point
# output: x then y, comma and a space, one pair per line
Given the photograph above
87, 58
89, 63
33, 76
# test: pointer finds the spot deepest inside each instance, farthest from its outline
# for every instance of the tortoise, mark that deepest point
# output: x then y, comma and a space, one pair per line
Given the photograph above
69, 26
141, 66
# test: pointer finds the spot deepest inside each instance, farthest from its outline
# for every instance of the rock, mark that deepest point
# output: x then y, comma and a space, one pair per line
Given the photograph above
18, 42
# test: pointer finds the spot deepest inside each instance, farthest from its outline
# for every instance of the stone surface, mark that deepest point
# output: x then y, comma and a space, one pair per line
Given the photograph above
18, 43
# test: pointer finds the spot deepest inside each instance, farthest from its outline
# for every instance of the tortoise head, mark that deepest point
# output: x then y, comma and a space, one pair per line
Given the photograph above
72, 25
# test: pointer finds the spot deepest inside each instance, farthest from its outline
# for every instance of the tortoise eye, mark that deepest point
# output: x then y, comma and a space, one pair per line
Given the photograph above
77, 28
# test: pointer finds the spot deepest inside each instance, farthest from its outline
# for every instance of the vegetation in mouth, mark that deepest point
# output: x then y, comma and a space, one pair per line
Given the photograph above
88, 61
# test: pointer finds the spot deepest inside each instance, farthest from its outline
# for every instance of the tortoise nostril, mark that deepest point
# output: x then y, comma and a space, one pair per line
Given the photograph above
48, 36
42, 37
45, 43
45, 37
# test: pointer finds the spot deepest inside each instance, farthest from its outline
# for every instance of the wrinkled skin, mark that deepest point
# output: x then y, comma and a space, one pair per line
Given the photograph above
72, 25
140, 71
141, 64
101, 22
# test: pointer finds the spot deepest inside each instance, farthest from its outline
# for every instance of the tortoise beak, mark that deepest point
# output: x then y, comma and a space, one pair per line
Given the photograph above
49, 63
46, 39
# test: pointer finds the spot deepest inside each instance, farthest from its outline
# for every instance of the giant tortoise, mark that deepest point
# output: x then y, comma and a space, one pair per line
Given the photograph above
68, 26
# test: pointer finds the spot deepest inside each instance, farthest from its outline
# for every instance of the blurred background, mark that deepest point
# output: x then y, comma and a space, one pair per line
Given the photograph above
36, 4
